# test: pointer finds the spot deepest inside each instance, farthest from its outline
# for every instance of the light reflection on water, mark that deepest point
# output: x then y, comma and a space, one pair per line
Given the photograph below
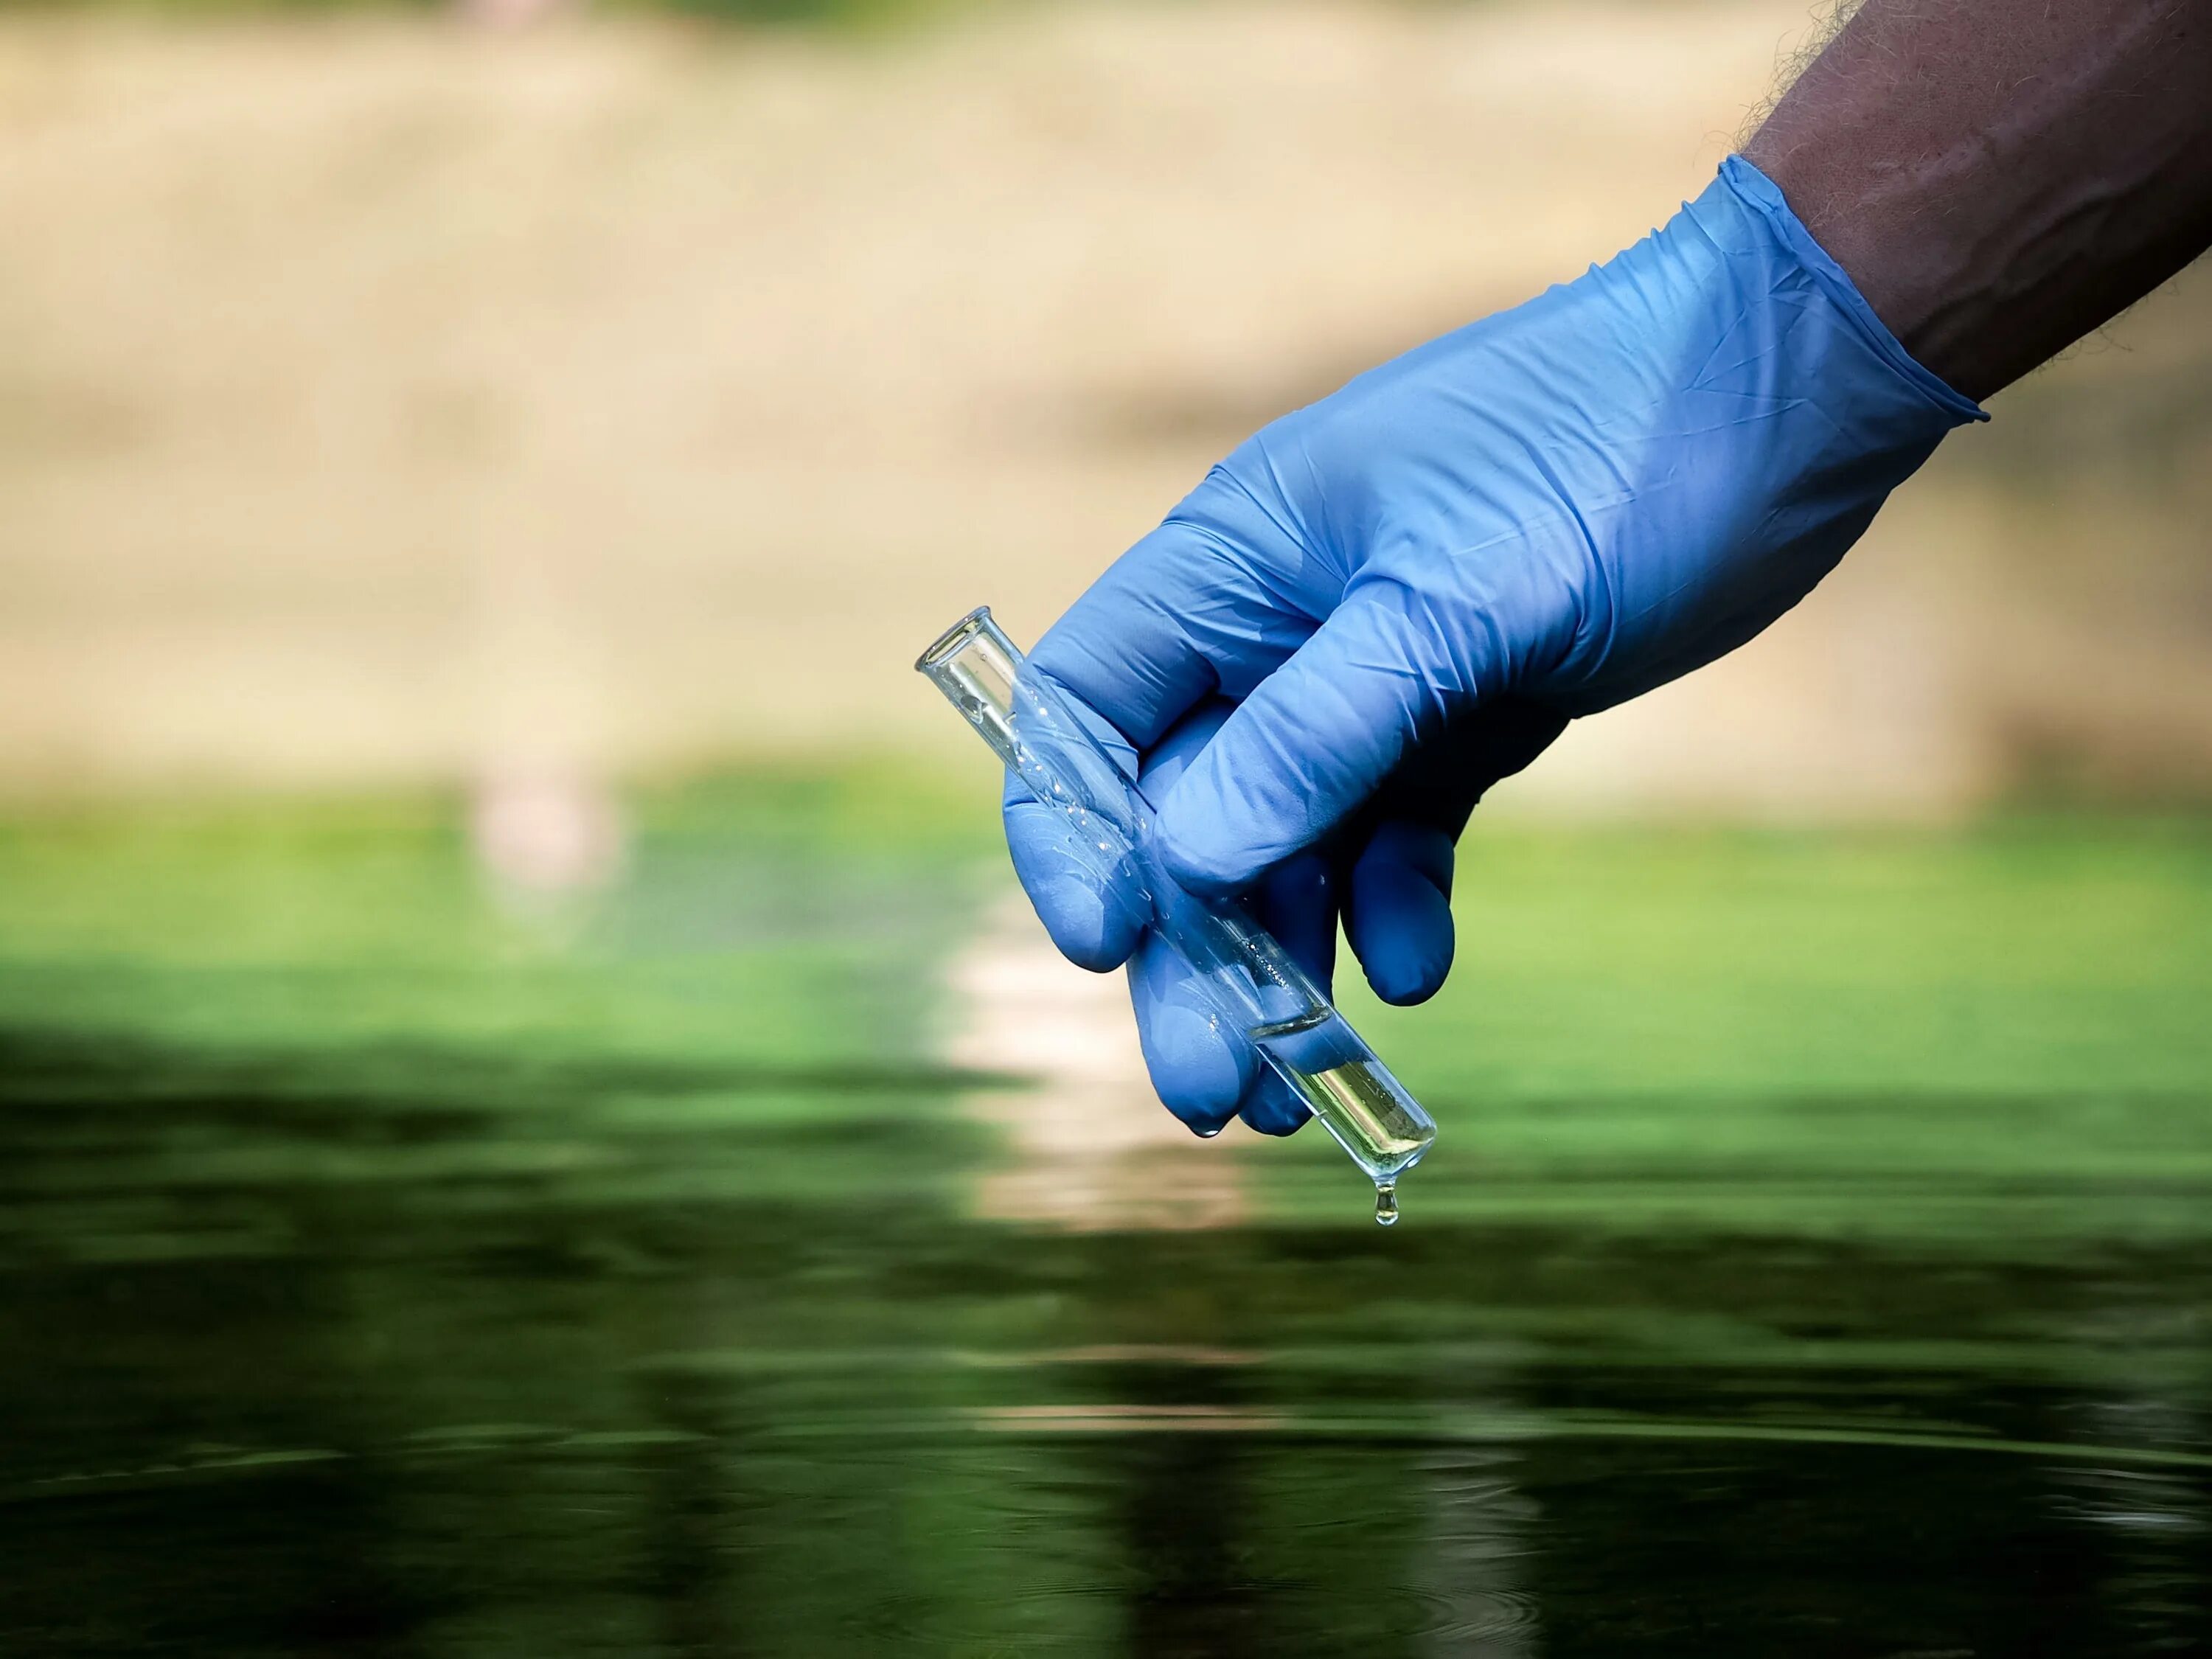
301, 1368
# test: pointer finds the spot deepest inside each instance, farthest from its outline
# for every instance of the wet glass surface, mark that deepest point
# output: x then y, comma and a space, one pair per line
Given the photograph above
379, 1274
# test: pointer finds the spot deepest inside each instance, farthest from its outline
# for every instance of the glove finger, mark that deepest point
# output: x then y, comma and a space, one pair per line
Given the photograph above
1084, 895
1201, 1068
1204, 1069
1271, 1106
1397, 899
1208, 602
1084, 900
1398, 915
1298, 902
1317, 737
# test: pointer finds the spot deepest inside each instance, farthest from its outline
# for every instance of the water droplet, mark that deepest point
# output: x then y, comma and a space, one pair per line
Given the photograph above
1386, 1203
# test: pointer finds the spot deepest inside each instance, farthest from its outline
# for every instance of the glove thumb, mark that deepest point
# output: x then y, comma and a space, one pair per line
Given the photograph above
1315, 738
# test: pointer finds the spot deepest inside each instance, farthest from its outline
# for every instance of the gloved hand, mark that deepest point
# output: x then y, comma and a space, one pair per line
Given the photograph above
1382, 603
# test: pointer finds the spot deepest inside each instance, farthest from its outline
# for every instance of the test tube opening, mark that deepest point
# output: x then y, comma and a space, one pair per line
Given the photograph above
949, 643
974, 665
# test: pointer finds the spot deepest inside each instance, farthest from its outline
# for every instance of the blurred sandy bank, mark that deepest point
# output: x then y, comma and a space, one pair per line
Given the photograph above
388, 399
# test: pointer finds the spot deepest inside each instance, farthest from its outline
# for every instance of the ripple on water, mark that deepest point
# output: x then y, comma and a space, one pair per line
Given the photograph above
1033, 1619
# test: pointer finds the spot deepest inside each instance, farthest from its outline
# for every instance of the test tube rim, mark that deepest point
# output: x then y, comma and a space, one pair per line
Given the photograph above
941, 649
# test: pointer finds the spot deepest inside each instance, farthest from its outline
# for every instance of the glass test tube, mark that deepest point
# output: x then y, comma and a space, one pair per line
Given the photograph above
1249, 978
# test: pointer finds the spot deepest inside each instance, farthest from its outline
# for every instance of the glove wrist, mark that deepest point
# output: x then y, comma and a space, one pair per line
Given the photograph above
1764, 199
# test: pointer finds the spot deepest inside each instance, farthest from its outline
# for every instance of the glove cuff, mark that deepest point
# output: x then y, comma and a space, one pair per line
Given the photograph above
1764, 196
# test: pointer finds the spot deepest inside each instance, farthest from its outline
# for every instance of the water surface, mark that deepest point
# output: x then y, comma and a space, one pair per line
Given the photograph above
387, 1271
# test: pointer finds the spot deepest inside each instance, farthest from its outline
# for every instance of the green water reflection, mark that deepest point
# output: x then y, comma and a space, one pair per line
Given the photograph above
1820, 1261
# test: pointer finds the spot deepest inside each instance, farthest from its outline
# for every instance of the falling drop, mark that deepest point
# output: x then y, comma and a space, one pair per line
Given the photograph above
1386, 1203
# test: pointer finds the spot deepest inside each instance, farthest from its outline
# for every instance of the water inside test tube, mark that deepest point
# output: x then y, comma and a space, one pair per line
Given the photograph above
1356, 1098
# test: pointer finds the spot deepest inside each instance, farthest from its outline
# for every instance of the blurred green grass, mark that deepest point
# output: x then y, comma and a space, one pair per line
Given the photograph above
2023, 954
2001, 1028
766, 918
1944, 1032
205, 1004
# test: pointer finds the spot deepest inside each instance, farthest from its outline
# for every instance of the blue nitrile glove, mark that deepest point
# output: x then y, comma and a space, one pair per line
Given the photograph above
1382, 603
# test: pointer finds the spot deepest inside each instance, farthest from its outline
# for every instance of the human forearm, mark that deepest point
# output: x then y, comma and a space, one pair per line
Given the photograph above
2000, 178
